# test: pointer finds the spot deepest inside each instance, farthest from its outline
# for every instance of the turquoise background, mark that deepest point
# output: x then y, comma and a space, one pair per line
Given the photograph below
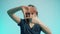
49, 14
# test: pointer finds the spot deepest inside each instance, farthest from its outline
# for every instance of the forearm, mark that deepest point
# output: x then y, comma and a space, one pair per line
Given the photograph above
45, 29
13, 10
13, 16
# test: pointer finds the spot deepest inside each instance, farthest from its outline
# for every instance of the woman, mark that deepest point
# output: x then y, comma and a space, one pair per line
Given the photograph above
30, 24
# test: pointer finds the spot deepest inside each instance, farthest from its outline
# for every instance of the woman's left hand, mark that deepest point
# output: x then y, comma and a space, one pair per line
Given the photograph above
35, 19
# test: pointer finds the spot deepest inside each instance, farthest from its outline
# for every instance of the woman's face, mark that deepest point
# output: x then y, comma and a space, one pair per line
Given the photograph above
28, 15
30, 12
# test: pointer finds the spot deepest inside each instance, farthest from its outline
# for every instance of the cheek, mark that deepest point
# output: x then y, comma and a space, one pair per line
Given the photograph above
31, 15
34, 15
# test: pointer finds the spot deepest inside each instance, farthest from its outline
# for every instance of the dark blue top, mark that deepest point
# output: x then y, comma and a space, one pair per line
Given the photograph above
25, 28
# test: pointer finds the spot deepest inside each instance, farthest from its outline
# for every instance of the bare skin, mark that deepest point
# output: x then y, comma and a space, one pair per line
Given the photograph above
32, 15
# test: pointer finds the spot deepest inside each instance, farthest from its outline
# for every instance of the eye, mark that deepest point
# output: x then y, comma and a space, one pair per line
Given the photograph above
27, 13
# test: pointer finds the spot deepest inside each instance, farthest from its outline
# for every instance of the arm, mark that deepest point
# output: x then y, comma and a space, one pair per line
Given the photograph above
44, 28
12, 15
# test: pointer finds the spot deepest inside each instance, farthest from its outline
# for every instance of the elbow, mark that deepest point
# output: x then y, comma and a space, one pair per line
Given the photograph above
48, 33
9, 12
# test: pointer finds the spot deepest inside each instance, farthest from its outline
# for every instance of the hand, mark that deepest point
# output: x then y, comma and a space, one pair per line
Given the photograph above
35, 19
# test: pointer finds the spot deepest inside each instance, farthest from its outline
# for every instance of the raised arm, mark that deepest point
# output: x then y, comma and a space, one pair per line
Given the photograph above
12, 15
44, 28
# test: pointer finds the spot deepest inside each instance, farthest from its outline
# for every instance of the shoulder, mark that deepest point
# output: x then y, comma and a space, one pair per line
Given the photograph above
21, 22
